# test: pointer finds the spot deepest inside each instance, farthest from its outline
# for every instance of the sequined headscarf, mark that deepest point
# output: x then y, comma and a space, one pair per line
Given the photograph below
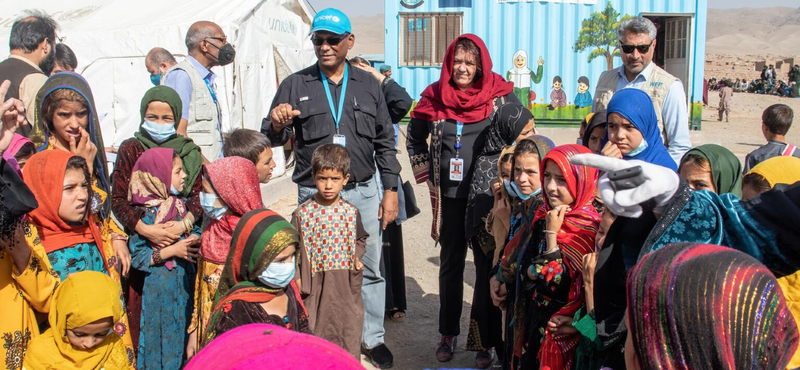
708, 307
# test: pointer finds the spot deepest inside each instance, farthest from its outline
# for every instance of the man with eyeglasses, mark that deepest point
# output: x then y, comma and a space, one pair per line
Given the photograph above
335, 102
637, 38
201, 117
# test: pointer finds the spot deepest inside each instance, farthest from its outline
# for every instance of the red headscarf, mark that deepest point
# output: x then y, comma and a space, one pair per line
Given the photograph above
443, 100
44, 175
576, 236
236, 181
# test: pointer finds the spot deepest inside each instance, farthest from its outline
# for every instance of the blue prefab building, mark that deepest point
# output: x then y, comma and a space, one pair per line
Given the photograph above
534, 43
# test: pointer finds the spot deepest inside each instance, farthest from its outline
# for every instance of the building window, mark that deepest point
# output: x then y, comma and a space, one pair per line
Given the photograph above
677, 38
424, 37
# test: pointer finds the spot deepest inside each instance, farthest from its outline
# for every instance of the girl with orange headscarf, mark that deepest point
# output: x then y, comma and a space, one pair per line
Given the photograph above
66, 227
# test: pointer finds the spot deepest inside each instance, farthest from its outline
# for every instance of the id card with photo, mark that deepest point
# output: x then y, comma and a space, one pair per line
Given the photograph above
339, 139
456, 169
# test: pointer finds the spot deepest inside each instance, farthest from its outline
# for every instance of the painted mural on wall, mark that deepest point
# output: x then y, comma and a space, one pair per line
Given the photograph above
522, 76
598, 36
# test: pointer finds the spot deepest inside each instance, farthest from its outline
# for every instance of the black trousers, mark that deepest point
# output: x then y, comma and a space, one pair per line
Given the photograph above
486, 320
452, 256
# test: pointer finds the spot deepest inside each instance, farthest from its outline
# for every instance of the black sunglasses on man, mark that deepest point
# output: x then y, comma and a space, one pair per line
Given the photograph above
332, 41
628, 49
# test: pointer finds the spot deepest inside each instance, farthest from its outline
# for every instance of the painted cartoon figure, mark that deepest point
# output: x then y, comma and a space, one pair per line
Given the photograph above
521, 76
558, 98
584, 97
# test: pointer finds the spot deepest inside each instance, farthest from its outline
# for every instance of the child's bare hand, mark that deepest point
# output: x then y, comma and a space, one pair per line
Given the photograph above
611, 150
555, 218
561, 325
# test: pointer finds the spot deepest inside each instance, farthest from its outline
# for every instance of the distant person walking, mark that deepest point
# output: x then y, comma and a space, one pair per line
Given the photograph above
725, 98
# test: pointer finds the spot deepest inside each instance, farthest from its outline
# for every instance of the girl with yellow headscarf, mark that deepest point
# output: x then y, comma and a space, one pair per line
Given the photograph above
762, 177
83, 311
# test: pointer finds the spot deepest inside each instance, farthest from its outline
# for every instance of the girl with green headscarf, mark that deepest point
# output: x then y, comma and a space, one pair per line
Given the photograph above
160, 113
712, 167
257, 283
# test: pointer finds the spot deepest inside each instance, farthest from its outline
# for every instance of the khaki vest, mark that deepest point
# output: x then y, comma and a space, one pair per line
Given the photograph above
657, 86
203, 113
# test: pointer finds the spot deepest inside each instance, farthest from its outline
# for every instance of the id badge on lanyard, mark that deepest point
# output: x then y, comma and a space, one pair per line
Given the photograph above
456, 163
337, 114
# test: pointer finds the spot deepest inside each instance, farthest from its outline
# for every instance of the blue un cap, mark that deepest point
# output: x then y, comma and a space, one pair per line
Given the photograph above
331, 20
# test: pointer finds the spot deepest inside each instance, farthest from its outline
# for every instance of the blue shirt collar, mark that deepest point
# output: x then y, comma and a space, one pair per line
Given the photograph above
202, 71
644, 74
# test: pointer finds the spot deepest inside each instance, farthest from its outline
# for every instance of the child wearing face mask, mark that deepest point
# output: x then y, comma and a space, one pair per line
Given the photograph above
156, 183
257, 283
160, 107
230, 189
332, 243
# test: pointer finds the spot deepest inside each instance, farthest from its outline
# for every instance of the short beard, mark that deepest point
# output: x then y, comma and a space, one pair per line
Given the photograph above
49, 62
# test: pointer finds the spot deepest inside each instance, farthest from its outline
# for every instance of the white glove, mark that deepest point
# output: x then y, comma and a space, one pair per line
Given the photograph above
660, 184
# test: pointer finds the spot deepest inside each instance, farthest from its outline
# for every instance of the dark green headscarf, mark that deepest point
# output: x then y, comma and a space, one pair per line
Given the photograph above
186, 148
726, 170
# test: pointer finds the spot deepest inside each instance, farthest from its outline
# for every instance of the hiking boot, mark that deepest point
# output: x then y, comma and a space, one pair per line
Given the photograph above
380, 356
446, 347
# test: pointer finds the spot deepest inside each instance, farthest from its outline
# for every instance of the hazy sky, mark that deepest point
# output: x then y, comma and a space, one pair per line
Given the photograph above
372, 7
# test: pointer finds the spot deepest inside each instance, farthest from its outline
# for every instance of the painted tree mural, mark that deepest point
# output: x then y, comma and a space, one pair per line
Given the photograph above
599, 34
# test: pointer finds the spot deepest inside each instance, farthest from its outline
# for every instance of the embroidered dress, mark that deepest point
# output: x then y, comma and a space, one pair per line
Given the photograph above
22, 294
332, 242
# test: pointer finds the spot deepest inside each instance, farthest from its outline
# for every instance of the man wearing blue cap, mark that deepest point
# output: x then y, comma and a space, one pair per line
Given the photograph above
386, 70
333, 102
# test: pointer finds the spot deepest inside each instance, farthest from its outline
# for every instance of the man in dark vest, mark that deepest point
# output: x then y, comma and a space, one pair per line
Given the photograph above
33, 55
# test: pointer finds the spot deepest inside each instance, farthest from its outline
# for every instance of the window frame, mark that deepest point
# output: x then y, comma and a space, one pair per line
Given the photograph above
439, 29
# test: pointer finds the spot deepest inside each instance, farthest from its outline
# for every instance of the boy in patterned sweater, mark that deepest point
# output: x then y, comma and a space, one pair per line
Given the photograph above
333, 241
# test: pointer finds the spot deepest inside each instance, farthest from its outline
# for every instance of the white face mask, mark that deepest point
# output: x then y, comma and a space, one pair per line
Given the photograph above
159, 132
278, 274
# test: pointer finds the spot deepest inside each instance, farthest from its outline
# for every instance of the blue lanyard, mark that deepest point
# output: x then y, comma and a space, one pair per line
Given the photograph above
337, 116
219, 113
459, 130
211, 90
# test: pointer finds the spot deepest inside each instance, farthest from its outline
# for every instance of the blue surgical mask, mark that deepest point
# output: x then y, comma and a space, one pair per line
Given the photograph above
159, 132
579, 141
519, 194
509, 190
156, 79
173, 191
207, 202
278, 274
638, 150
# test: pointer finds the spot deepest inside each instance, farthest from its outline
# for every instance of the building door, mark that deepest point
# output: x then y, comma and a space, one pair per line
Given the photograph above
677, 47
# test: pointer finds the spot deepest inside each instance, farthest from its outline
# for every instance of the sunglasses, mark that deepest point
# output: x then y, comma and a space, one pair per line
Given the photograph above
332, 41
627, 49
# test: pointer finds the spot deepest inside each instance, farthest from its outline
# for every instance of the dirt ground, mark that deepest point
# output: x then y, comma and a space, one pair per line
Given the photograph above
414, 341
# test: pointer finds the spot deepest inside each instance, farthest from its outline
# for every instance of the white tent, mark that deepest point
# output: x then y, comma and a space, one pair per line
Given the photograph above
112, 37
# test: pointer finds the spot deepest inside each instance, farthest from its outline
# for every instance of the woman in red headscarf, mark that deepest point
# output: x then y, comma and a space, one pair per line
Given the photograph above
457, 112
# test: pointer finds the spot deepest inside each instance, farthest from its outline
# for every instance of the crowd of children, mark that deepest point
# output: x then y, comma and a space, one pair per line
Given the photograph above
174, 261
